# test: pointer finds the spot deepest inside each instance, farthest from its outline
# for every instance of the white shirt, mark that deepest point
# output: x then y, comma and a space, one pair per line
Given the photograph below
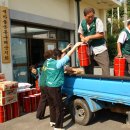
99, 29
123, 37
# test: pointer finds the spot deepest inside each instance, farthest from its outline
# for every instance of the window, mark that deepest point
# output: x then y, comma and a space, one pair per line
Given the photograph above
18, 31
41, 33
24, 49
19, 59
63, 35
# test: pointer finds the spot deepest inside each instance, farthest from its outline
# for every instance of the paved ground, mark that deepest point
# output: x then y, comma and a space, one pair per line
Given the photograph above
103, 120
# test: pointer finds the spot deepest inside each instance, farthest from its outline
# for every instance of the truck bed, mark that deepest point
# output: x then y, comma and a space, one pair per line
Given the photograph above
111, 89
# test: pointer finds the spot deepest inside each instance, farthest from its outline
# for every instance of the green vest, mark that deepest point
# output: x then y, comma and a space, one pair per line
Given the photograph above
42, 77
91, 31
126, 45
55, 77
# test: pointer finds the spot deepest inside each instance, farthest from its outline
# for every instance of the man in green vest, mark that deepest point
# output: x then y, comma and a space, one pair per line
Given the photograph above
123, 46
92, 33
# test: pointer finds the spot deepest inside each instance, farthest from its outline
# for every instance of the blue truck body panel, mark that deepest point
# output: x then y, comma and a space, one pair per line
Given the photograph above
97, 89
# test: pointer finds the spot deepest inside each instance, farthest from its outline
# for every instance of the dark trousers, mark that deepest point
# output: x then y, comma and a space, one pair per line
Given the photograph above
42, 105
54, 98
102, 60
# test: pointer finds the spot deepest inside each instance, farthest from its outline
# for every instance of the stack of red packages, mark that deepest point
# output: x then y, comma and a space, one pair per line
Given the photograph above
28, 100
8, 100
31, 100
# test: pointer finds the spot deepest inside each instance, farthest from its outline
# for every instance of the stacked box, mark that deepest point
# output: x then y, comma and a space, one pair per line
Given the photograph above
8, 92
8, 85
8, 100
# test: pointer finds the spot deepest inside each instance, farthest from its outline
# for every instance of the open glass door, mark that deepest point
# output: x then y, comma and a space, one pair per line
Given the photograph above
19, 59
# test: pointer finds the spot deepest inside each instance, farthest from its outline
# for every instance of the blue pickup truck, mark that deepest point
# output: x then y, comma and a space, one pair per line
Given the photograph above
87, 94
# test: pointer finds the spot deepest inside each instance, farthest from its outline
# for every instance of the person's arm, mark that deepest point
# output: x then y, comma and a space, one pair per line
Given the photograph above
82, 37
95, 36
80, 32
74, 48
99, 31
67, 47
65, 59
121, 40
62, 61
119, 53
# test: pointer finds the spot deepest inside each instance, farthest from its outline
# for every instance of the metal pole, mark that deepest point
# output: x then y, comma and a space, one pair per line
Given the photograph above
78, 14
125, 13
78, 11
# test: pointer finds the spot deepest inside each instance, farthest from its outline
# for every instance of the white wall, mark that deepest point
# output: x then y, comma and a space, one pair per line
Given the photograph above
56, 9
72, 11
5, 68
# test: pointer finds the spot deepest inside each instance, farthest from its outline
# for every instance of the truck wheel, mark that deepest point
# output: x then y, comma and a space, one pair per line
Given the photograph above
80, 111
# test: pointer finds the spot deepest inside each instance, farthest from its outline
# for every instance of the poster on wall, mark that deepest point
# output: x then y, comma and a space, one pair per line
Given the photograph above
49, 45
5, 34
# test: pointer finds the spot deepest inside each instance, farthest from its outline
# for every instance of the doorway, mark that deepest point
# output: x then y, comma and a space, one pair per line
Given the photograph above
35, 55
36, 51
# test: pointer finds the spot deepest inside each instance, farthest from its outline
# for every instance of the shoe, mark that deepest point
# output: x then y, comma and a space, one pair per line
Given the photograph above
40, 118
52, 124
59, 128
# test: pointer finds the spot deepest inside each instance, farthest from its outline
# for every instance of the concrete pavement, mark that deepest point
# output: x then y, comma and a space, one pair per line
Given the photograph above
104, 120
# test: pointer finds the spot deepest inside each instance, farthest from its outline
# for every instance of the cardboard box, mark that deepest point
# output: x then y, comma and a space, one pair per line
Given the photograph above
8, 100
8, 92
7, 85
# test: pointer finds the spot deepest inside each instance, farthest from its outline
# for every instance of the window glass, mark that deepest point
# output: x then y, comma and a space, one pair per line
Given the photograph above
52, 38
18, 47
41, 33
20, 74
17, 30
19, 59
63, 35
62, 44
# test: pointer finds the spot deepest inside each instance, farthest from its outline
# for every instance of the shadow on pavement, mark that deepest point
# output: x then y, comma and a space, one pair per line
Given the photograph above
105, 115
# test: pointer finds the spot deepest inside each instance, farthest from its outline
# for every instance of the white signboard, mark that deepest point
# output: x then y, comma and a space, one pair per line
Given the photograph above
51, 47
